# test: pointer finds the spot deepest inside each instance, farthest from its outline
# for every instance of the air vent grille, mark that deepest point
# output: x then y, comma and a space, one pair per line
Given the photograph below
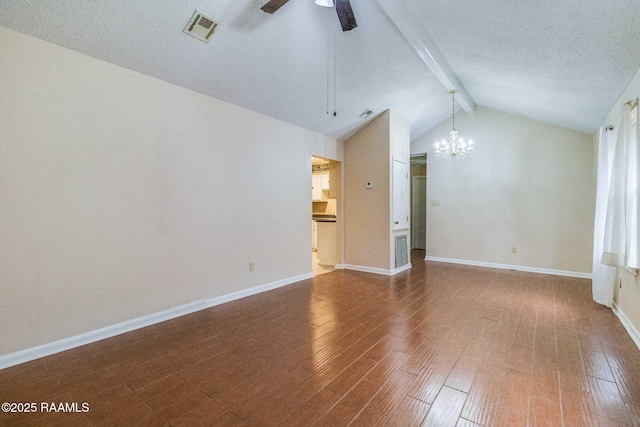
201, 26
402, 256
204, 22
365, 114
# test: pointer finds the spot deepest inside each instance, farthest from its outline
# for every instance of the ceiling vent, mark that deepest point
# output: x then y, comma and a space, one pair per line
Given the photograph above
201, 26
365, 114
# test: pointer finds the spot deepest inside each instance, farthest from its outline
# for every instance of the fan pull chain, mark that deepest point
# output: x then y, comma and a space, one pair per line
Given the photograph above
328, 63
335, 74
332, 34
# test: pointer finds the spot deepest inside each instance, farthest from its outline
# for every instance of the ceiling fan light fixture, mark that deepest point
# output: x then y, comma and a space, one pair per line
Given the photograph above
325, 3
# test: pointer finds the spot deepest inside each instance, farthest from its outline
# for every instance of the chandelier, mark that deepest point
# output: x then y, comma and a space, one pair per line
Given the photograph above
454, 147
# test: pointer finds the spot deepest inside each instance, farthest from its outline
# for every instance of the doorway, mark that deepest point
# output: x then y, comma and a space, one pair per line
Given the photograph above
325, 188
418, 176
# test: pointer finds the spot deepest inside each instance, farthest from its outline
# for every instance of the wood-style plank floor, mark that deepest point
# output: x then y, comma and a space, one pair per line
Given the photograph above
439, 345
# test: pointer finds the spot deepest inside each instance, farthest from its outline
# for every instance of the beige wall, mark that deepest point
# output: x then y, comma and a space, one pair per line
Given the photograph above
122, 195
366, 211
626, 297
369, 239
529, 185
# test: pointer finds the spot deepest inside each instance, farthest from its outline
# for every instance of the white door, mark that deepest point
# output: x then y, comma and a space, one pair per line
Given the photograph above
419, 213
400, 197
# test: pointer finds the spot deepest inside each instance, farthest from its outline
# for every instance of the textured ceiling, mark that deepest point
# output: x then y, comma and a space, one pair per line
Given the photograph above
564, 63
560, 62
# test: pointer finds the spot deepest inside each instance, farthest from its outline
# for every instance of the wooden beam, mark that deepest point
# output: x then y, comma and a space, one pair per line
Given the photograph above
413, 30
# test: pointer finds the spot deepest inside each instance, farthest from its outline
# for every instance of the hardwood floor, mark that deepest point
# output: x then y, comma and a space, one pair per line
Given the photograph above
438, 345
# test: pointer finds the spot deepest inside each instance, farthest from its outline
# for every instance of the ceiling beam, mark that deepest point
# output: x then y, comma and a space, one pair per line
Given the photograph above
403, 17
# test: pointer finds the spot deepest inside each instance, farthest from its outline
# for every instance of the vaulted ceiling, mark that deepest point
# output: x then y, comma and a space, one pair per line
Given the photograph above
563, 63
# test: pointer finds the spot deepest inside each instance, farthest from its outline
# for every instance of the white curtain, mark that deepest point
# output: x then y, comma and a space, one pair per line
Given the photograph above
620, 248
615, 223
603, 277
616, 236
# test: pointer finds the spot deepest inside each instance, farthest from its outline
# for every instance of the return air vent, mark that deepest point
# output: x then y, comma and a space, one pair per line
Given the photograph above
365, 114
201, 26
402, 257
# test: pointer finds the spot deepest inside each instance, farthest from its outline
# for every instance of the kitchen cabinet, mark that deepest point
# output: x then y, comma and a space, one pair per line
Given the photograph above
316, 188
320, 187
326, 241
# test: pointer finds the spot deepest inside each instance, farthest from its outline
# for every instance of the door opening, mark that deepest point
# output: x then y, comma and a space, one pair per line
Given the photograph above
418, 176
325, 189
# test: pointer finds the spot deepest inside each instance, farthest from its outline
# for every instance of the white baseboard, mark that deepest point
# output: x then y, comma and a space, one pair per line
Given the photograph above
33, 353
602, 302
376, 270
631, 329
400, 269
511, 267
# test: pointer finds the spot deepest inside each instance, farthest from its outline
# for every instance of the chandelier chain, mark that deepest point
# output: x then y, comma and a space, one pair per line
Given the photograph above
453, 109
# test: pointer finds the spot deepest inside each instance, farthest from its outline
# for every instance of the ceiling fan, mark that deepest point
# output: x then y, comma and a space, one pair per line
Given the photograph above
343, 8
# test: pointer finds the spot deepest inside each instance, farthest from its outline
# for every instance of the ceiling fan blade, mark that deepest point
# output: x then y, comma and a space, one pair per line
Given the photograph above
273, 5
345, 14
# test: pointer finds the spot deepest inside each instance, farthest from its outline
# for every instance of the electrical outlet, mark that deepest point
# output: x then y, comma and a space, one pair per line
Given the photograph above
514, 250
250, 266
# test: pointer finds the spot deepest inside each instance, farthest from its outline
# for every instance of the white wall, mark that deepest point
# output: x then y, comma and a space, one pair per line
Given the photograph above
529, 185
122, 195
626, 297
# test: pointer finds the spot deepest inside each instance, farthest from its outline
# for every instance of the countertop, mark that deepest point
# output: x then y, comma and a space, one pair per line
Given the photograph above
324, 218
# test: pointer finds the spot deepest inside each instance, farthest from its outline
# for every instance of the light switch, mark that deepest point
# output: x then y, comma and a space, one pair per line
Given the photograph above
435, 202
368, 184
